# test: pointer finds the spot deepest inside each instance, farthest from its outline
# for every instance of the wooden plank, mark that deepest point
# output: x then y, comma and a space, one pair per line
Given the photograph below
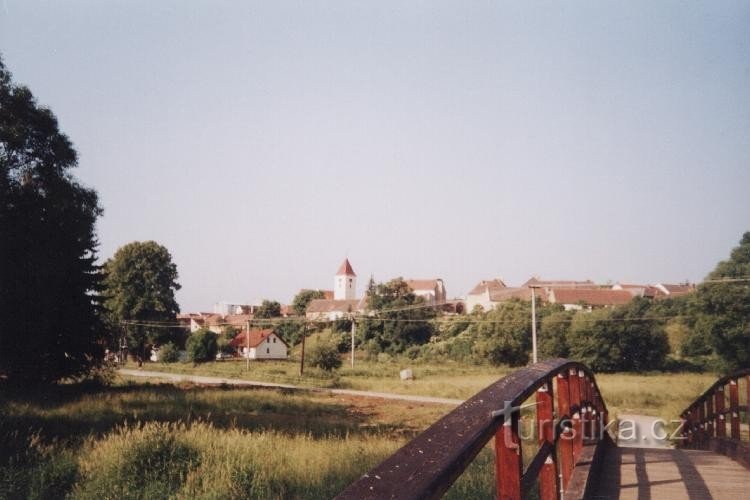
508, 461
545, 418
565, 443
720, 421
734, 409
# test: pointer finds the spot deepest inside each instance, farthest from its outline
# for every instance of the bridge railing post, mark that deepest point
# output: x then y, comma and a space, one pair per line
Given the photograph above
734, 408
545, 418
508, 459
565, 442
721, 428
575, 403
700, 431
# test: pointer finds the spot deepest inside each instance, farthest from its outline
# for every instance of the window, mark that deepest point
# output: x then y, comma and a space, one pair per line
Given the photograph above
274, 340
268, 340
268, 351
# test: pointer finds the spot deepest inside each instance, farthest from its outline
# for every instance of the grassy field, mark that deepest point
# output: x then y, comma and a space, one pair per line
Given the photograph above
158, 441
446, 380
659, 394
139, 440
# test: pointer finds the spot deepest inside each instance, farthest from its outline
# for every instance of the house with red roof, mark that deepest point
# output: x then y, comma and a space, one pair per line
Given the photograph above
432, 291
260, 344
577, 299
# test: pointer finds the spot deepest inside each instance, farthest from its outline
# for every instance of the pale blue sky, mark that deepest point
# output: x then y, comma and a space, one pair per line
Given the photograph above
262, 142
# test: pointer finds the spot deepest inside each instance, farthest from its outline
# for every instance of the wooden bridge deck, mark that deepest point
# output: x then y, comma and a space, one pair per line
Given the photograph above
648, 473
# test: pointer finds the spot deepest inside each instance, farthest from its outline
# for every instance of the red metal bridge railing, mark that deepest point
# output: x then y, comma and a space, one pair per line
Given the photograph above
569, 411
705, 421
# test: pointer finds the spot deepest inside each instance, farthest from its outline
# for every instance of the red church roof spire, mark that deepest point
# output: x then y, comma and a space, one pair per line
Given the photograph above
345, 269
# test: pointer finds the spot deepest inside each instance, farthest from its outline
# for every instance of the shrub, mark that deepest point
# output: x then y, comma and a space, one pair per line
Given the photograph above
325, 355
202, 346
169, 353
619, 339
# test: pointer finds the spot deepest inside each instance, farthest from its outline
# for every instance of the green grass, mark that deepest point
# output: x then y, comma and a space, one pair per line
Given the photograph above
446, 380
159, 441
140, 440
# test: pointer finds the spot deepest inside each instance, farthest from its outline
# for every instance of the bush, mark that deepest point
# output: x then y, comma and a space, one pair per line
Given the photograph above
202, 346
619, 339
325, 355
505, 336
169, 353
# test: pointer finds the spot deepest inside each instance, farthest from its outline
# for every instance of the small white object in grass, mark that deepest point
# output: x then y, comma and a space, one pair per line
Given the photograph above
407, 374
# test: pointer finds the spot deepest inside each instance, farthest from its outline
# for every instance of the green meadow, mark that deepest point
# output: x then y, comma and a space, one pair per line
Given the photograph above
134, 439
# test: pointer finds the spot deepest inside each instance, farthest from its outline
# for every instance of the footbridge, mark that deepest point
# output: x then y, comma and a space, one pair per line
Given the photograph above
552, 438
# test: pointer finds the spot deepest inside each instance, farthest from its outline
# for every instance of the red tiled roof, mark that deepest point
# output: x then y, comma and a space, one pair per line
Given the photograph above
345, 269
560, 283
422, 284
325, 306
484, 285
256, 338
592, 297
678, 289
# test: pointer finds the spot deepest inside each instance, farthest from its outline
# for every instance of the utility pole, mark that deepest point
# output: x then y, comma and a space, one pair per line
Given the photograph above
247, 338
302, 355
533, 324
353, 327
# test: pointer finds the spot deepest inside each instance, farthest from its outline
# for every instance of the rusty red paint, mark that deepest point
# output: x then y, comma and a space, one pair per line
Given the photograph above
734, 409
545, 424
508, 463
720, 422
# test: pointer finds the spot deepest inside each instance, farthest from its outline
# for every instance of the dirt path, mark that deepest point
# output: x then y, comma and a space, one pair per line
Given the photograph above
200, 379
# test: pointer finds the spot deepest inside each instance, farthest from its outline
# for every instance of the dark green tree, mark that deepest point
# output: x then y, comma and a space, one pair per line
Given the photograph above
399, 318
724, 307
624, 338
504, 335
49, 319
268, 309
202, 346
553, 334
325, 355
290, 330
303, 299
140, 282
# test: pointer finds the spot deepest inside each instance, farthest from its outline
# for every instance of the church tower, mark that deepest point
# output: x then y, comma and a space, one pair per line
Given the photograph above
345, 282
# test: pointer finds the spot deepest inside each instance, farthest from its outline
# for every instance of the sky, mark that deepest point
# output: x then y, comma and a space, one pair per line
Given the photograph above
264, 142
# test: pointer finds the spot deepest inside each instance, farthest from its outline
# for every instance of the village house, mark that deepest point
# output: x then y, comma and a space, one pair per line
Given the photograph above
577, 299
482, 294
489, 293
260, 344
432, 291
673, 291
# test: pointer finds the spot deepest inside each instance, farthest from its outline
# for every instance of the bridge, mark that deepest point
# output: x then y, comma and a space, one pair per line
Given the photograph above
553, 439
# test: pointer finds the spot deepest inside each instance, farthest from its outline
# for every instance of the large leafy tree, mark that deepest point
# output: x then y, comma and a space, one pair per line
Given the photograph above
724, 307
624, 338
268, 309
399, 318
49, 321
140, 282
504, 335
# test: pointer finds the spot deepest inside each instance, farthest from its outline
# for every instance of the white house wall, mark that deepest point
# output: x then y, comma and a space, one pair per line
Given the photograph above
271, 348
